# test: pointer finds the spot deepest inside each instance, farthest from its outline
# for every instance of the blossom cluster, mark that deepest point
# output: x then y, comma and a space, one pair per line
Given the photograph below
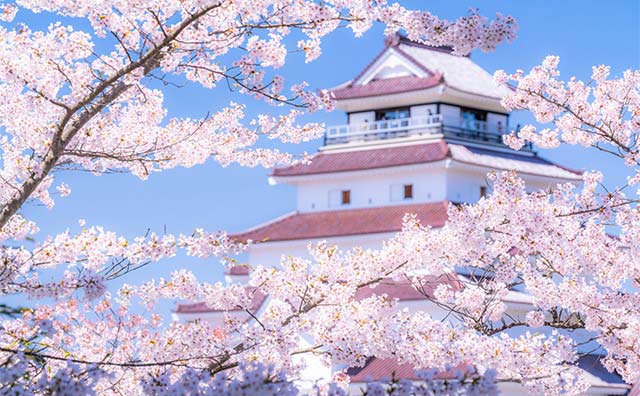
544, 241
603, 113
64, 106
463, 382
94, 256
66, 103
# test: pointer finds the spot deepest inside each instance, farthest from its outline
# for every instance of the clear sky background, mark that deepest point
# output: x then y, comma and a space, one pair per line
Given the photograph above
583, 33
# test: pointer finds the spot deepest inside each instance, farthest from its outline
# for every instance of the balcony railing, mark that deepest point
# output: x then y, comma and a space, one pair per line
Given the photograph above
468, 130
383, 129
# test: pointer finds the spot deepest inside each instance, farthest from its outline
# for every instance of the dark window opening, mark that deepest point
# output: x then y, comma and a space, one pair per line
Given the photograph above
483, 191
392, 114
391, 123
346, 197
408, 191
479, 115
473, 119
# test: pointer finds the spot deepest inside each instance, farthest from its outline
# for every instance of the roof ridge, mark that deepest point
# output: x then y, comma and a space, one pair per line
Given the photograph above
381, 87
370, 64
416, 62
393, 45
447, 49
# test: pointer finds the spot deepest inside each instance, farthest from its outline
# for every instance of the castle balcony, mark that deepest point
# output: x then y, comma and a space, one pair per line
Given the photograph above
471, 131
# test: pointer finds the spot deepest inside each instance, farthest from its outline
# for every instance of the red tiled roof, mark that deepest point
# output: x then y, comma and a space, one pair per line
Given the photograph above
405, 290
257, 299
326, 162
394, 85
387, 86
324, 224
238, 270
375, 369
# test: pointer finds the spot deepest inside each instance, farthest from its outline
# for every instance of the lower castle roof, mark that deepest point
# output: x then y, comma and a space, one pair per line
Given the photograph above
421, 288
310, 225
330, 161
257, 299
376, 369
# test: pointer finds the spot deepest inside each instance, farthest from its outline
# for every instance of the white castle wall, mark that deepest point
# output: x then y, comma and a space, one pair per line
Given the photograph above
372, 188
423, 110
450, 114
434, 182
362, 117
464, 182
492, 122
269, 254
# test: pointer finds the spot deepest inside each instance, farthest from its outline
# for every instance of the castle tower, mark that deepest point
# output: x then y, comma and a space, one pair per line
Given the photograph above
423, 128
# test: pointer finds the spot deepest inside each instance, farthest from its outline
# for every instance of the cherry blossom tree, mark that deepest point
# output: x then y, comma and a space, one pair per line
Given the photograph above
66, 105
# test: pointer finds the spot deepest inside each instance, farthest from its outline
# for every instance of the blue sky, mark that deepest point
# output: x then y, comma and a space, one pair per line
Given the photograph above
582, 33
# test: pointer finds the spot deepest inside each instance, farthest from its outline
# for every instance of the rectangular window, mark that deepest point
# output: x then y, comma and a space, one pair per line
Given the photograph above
401, 192
408, 191
339, 197
390, 124
346, 197
473, 114
475, 120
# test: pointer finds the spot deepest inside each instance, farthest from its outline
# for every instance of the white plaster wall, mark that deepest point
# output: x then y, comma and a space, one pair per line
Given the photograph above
423, 110
536, 183
514, 389
362, 117
373, 188
450, 114
463, 185
269, 254
315, 369
431, 183
215, 318
493, 119
392, 69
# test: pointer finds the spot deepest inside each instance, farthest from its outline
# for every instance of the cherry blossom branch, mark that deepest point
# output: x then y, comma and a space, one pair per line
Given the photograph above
83, 111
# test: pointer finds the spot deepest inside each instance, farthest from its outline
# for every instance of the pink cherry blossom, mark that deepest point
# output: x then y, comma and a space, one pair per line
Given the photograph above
67, 103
